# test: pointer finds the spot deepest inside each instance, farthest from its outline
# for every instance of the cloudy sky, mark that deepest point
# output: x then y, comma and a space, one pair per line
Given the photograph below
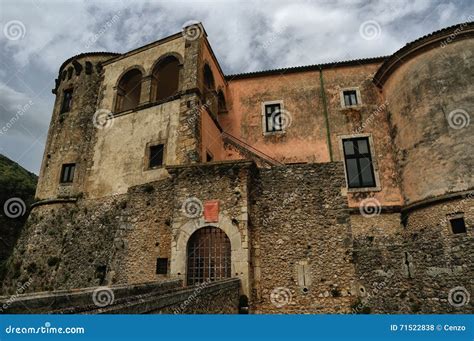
37, 36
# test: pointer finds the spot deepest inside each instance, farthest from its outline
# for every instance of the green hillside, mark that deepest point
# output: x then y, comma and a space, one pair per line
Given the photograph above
15, 182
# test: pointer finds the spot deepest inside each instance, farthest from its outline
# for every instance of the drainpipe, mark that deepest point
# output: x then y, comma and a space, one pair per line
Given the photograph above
325, 112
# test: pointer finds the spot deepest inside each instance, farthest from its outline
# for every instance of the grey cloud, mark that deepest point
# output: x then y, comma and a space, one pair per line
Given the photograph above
245, 35
17, 112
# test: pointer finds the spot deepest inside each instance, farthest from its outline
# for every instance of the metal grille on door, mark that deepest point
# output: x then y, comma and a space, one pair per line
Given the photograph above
208, 256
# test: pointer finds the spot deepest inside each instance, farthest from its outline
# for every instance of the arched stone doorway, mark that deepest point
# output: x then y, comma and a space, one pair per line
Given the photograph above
208, 256
240, 255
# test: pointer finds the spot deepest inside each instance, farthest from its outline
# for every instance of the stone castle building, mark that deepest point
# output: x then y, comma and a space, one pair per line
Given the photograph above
331, 188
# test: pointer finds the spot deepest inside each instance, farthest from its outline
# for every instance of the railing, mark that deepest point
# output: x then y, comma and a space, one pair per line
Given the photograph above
251, 149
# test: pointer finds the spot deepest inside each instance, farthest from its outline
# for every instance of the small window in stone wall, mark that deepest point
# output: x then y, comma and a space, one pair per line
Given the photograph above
221, 105
162, 266
458, 225
208, 78
350, 98
67, 101
67, 173
156, 156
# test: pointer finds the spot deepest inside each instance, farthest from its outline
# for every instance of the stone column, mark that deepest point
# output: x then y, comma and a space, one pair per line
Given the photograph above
145, 94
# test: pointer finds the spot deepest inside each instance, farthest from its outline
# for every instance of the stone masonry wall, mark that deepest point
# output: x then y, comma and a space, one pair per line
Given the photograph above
118, 239
67, 245
220, 297
301, 240
149, 210
293, 246
226, 183
414, 269
71, 134
430, 98
164, 297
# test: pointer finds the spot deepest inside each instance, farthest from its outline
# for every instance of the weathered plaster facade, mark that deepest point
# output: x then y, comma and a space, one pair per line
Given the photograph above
300, 239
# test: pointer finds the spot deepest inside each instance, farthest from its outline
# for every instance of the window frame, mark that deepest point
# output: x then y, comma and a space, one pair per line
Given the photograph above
457, 216
264, 117
148, 155
358, 97
159, 147
62, 173
375, 170
221, 103
120, 93
62, 110
156, 82
208, 79
163, 259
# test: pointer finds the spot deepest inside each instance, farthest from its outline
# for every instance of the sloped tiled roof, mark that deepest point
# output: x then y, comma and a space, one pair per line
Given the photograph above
312, 67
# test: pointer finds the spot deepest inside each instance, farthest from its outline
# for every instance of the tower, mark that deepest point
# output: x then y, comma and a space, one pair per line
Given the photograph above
71, 133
